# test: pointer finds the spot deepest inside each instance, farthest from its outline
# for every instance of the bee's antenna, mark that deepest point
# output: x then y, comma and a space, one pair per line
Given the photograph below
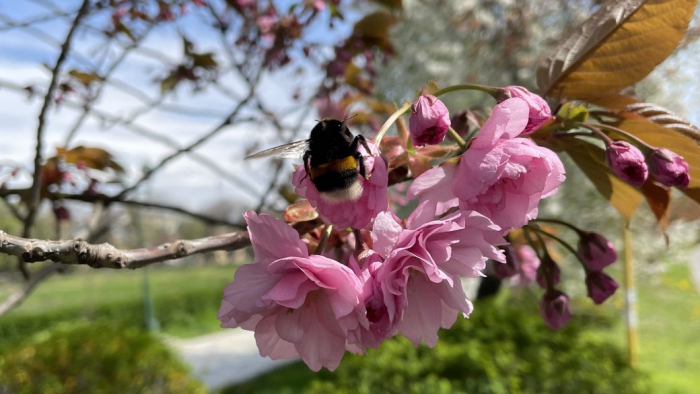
346, 120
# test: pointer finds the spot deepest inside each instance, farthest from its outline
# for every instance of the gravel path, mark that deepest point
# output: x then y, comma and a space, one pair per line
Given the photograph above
224, 358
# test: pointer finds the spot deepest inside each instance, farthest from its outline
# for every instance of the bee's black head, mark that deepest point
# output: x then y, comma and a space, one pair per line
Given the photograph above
330, 134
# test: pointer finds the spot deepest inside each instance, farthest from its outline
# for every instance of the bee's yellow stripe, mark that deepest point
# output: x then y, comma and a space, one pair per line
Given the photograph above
346, 163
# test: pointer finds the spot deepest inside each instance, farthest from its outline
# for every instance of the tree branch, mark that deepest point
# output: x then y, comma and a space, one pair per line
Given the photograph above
102, 198
229, 119
34, 194
19, 296
105, 255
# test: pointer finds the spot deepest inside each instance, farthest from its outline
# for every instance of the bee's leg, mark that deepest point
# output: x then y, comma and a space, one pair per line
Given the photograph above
307, 156
360, 139
361, 161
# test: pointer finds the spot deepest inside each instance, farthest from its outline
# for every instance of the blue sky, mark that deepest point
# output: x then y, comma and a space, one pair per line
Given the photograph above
183, 182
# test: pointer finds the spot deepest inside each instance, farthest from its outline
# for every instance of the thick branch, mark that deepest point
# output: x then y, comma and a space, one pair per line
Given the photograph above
105, 255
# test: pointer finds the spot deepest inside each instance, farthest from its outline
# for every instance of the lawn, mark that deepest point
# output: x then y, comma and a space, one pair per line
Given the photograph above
89, 292
669, 310
669, 324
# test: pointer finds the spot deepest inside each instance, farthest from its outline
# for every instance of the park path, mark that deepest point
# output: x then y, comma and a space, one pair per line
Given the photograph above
231, 356
225, 358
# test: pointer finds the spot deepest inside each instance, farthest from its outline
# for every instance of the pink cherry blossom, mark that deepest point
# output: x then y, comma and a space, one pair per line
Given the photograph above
429, 121
539, 111
528, 263
298, 305
499, 176
627, 162
355, 214
668, 168
596, 251
380, 327
418, 290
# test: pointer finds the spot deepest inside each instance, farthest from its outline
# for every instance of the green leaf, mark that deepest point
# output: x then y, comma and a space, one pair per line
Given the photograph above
615, 48
591, 160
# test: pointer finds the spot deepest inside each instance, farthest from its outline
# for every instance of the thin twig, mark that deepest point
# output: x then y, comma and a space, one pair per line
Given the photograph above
89, 105
242, 184
226, 122
107, 200
34, 195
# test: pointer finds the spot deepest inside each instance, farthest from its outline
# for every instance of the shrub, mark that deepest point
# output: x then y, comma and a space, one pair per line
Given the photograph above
94, 358
502, 348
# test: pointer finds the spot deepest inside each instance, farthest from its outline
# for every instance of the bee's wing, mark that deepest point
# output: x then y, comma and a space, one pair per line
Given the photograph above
287, 151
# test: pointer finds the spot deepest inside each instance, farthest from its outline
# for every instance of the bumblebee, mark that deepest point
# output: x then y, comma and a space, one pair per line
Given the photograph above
331, 159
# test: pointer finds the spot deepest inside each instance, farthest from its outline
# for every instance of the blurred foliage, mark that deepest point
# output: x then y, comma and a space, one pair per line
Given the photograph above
502, 348
92, 358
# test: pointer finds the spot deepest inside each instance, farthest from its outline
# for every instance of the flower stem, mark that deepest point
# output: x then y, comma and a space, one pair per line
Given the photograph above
324, 238
528, 238
597, 132
561, 241
389, 122
625, 134
561, 222
494, 92
455, 136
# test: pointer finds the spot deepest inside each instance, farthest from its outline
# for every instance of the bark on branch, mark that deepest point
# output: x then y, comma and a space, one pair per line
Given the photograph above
105, 255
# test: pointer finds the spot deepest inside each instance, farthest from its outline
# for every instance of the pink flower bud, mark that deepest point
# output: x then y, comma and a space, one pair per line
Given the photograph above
627, 162
554, 308
548, 270
429, 121
596, 251
600, 286
539, 109
668, 168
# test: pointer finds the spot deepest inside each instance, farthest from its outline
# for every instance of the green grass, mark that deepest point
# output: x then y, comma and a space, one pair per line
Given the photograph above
90, 288
669, 326
91, 292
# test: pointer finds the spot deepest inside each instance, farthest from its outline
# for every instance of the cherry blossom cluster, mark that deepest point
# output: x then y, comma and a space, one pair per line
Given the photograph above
402, 276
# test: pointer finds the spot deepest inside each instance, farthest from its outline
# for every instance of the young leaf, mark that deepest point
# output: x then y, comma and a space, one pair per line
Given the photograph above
96, 158
659, 200
663, 117
619, 45
591, 160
